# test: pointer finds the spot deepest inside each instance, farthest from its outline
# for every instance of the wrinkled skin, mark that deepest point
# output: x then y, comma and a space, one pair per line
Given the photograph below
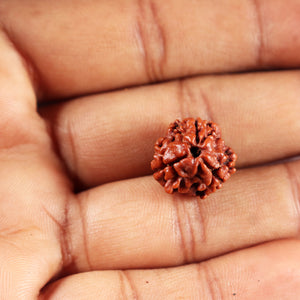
80, 215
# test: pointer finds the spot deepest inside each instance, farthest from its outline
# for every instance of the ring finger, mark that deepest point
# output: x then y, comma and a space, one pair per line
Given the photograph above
110, 225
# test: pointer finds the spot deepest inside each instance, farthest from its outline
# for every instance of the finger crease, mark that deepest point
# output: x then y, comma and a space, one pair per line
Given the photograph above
12, 243
82, 215
67, 259
201, 220
294, 180
188, 101
162, 45
213, 286
206, 105
179, 231
122, 285
151, 39
193, 240
73, 148
191, 234
181, 99
260, 48
126, 280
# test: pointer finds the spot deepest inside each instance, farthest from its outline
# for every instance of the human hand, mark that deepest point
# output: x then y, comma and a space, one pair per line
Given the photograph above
239, 243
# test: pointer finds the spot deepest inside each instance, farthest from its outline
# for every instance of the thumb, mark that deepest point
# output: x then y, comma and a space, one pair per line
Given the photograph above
17, 97
26, 252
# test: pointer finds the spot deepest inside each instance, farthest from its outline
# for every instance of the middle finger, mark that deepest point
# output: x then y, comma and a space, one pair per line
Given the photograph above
111, 136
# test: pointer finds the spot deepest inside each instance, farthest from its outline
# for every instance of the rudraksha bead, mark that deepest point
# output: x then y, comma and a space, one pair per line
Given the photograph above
192, 159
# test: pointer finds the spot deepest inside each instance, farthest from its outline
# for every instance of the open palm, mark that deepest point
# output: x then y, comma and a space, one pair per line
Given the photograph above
80, 215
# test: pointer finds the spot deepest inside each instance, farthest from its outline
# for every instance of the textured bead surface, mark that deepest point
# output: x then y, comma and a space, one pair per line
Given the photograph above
192, 159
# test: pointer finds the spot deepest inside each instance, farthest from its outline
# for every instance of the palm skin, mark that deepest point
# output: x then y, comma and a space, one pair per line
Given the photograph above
80, 215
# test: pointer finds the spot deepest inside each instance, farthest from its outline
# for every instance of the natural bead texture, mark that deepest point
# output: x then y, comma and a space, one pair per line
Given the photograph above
192, 159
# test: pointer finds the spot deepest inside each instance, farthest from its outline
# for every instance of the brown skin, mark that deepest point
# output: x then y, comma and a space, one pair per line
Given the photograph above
51, 238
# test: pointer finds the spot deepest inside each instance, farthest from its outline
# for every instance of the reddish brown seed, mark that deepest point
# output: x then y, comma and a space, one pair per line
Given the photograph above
192, 158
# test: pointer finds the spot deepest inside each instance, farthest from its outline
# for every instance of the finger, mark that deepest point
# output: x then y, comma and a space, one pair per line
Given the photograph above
95, 46
135, 224
269, 271
16, 106
29, 254
111, 136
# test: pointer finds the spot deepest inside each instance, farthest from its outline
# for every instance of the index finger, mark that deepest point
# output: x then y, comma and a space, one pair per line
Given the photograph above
78, 47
